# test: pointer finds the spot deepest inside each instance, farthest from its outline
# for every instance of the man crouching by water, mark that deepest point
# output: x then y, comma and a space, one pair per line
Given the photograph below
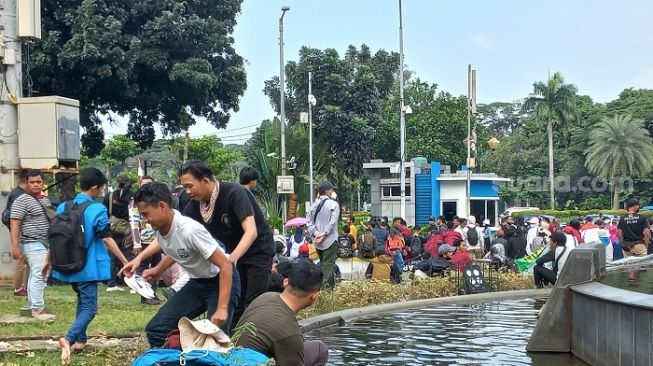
188, 243
273, 316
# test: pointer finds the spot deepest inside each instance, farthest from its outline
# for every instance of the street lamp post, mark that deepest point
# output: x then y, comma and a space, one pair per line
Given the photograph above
402, 118
282, 92
311, 103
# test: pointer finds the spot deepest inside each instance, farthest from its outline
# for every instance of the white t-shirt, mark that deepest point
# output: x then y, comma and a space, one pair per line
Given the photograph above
190, 245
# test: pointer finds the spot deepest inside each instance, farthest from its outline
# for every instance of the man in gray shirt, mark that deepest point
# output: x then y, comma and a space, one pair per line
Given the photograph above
322, 225
29, 236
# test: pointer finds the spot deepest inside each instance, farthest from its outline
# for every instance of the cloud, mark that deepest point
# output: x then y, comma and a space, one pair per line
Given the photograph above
481, 40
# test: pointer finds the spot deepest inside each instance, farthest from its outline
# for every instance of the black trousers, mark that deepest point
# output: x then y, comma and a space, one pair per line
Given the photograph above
544, 276
254, 280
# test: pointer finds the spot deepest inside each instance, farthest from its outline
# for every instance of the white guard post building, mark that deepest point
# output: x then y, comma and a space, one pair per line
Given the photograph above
432, 190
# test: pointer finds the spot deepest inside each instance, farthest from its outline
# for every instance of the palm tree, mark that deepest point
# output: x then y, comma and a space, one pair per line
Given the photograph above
553, 99
619, 147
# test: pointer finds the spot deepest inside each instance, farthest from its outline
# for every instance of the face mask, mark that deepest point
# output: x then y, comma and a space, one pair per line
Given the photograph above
334, 196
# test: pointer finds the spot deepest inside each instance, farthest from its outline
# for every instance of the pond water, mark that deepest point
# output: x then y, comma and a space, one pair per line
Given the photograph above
620, 280
491, 333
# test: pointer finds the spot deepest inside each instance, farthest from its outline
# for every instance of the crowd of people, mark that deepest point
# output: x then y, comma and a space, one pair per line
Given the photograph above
222, 260
210, 235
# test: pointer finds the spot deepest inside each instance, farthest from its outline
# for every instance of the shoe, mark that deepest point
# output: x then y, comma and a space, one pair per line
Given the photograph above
168, 292
131, 292
20, 292
115, 288
153, 301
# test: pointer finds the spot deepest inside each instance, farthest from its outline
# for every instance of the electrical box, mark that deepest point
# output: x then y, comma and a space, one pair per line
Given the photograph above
285, 184
9, 57
29, 18
48, 132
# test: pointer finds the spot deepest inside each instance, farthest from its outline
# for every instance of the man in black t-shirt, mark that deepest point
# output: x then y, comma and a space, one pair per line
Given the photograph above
230, 213
117, 204
634, 233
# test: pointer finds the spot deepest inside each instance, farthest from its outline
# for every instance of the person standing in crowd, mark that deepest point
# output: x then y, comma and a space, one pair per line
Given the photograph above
188, 243
145, 237
353, 231
248, 178
276, 331
634, 234
231, 215
29, 237
381, 234
21, 274
322, 225
98, 241
117, 204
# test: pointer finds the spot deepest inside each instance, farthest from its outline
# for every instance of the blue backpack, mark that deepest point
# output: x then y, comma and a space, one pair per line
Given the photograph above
173, 357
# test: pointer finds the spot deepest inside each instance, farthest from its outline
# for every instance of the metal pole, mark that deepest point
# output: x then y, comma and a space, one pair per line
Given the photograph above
402, 118
9, 119
310, 138
282, 91
469, 137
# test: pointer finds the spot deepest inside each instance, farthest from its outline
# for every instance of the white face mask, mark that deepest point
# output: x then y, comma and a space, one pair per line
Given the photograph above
333, 196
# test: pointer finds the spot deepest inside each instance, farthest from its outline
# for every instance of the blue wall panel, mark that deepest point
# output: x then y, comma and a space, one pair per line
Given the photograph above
422, 198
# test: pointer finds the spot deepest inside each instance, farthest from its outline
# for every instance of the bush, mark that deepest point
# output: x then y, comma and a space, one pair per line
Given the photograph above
568, 215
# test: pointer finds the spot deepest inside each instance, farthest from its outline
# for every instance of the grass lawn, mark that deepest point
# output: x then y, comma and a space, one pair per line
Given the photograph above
121, 314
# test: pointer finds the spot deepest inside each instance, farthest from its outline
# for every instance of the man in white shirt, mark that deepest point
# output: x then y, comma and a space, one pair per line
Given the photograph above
188, 243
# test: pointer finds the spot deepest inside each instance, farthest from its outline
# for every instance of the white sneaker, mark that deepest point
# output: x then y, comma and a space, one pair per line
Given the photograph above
132, 292
115, 288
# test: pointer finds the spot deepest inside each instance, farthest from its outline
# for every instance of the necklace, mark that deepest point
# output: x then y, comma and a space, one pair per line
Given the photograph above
206, 208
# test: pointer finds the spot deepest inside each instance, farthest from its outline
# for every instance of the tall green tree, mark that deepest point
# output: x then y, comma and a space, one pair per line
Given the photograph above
118, 149
553, 101
210, 150
619, 147
156, 61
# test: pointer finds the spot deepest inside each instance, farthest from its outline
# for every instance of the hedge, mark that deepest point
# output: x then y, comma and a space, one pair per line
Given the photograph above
568, 215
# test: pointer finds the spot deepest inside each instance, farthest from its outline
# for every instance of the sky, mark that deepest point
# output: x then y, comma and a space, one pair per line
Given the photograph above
601, 46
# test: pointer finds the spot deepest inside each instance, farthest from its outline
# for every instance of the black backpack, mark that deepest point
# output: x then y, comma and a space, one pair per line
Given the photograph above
6, 214
416, 247
472, 235
344, 247
66, 238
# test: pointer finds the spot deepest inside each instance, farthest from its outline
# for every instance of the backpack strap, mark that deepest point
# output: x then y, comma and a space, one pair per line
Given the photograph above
557, 260
318, 209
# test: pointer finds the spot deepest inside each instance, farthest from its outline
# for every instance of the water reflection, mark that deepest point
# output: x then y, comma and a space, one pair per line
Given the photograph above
620, 280
493, 333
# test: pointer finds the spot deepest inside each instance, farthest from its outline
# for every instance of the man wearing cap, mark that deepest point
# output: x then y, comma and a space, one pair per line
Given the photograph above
322, 225
634, 234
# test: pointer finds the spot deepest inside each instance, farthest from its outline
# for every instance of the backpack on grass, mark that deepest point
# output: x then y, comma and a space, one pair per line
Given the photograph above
66, 238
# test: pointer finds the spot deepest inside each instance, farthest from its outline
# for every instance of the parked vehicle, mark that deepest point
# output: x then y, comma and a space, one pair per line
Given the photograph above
510, 211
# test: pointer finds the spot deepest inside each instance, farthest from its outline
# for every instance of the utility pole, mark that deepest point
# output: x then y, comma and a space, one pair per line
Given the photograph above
282, 90
402, 119
10, 53
311, 102
471, 109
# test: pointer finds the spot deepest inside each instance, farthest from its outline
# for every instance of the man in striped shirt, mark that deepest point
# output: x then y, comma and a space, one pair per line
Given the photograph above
29, 237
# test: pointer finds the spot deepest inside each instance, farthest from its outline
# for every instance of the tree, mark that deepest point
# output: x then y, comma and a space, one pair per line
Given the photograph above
118, 149
210, 150
435, 130
553, 99
619, 147
156, 61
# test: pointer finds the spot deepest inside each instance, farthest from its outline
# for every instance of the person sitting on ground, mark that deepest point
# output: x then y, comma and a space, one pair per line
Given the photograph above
590, 231
275, 331
555, 259
573, 229
449, 235
416, 244
382, 268
296, 241
461, 258
497, 252
346, 243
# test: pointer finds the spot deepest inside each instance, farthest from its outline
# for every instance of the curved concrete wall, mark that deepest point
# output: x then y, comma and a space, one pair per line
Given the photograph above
611, 326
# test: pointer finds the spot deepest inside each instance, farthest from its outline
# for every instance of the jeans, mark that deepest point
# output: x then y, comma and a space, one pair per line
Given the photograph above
398, 259
198, 296
328, 258
35, 253
86, 310
254, 281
